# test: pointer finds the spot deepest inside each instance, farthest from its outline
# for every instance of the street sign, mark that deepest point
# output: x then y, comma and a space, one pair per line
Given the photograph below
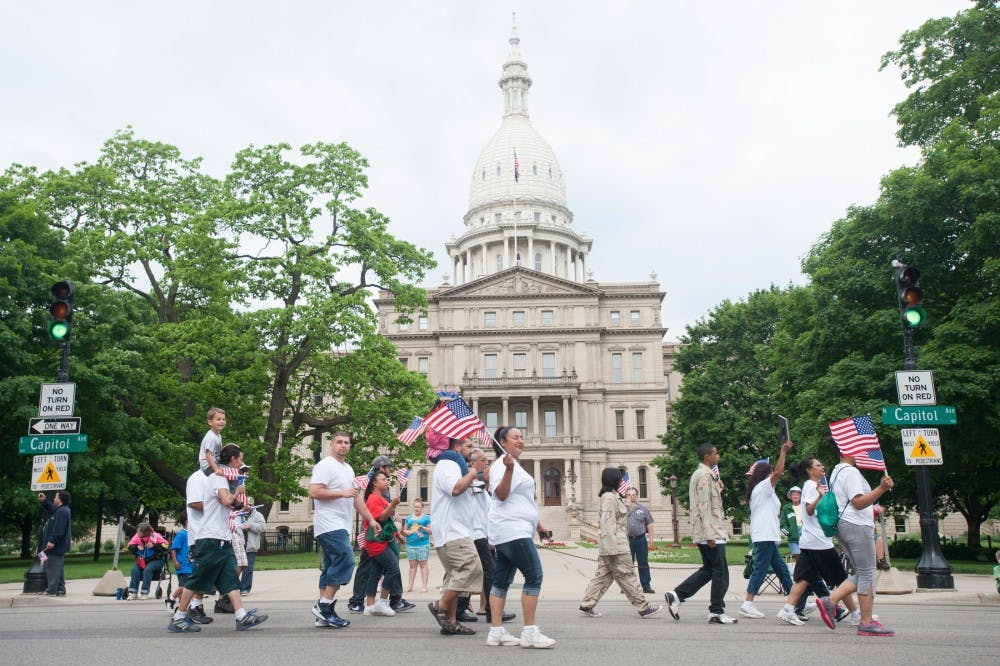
60, 425
921, 446
57, 399
916, 387
931, 415
49, 472
35, 444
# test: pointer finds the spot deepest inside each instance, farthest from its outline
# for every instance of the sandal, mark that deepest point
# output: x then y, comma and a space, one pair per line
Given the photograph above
457, 630
442, 618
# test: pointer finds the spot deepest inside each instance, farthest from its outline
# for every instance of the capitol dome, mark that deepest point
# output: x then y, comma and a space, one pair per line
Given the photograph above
539, 177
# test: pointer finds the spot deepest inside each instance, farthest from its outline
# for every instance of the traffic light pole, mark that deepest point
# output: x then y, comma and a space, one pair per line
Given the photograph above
933, 570
63, 374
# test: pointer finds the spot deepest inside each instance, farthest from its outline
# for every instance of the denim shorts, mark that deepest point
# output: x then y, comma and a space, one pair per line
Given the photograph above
418, 553
338, 558
517, 555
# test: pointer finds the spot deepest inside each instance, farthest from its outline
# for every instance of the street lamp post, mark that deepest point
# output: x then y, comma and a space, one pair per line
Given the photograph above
673, 501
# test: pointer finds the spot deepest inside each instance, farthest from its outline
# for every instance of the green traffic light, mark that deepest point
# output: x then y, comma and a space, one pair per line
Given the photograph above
914, 317
59, 330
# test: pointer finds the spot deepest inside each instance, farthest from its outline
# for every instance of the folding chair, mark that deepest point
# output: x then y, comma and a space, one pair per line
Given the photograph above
770, 578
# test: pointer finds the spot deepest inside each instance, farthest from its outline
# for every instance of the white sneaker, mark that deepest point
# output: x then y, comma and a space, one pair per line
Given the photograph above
380, 607
536, 639
505, 639
749, 610
789, 618
809, 608
721, 618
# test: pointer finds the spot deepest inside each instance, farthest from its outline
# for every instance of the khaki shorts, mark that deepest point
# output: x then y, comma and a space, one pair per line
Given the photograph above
463, 572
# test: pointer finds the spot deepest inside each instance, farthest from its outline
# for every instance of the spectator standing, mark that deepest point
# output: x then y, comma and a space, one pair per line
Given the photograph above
57, 537
253, 528
613, 552
710, 531
150, 551
640, 538
790, 520
334, 494
764, 530
180, 554
512, 525
417, 530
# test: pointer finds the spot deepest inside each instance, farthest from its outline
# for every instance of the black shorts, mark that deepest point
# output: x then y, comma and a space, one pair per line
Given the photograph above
815, 564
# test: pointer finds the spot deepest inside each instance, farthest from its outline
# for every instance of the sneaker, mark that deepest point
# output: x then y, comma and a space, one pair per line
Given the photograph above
536, 639
403, 605
142, 597
250, 620
856, 618
789, 617
749, 610
320, 623
320, 611
588, 611
182, 625
843, 613
355, 607
244, 593
808, 608
875, 629
802, 616
197, 615
464, 616
827, 611
381, 608
721, 618
650, 611
648, 590
504, 639
673, 604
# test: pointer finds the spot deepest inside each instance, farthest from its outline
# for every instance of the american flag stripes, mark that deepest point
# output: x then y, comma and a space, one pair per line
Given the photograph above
454, 419
402, 475
361, 482
870, 459
854, 435
755, 463
414, 430
624, 486
517, 168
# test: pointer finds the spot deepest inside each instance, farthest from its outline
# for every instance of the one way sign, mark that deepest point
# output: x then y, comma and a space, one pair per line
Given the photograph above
56, 425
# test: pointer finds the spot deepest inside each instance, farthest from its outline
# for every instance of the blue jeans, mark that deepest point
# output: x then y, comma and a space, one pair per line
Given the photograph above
338, 558
385, 565
246, 580
766, 556
639, 547
152, 570
517, 555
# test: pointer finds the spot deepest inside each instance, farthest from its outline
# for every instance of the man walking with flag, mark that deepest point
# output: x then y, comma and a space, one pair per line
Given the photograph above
854, 438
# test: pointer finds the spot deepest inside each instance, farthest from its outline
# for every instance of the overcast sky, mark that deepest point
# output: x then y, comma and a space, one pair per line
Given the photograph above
712, 143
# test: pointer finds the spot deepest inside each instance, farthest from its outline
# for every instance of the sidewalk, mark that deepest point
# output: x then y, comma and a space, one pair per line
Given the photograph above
566, 574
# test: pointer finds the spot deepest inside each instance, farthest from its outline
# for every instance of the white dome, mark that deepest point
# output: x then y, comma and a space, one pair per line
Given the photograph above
540, 176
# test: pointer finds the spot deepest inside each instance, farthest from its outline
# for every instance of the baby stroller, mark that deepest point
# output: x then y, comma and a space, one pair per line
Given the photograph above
165, 574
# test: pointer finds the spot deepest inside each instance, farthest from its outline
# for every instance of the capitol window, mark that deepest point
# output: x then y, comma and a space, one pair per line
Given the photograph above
550, 423
490, 319
616, 317
548, 316
422, 323
499, 262
489, 365
549, 364
538, 262
637, 367
497, 218
640, 424
616, 367
423, 364
517, 317
520, 364
537, 217
633, 317
619, 424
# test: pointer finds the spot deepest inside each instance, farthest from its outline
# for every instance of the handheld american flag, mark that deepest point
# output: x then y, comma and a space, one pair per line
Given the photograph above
854, 435
402, 475
755, 463
361, 482
454, 419
870, 459
624, 486
414, 430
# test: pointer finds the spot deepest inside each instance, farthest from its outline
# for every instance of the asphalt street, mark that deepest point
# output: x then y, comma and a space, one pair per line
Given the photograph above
135, 632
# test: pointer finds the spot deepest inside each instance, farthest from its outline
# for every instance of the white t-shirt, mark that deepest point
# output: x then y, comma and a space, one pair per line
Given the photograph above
195, 492
517, 516
811, 536
481, 499
451, 515
332, 514
764, 507
212, 441
848, 483
216, 523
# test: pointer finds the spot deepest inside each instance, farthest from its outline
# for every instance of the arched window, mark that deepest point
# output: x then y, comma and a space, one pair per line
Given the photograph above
538, 262
643, 483
423, 484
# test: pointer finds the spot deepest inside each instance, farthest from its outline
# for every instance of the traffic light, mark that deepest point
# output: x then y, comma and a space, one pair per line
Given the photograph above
61, 310
910, 296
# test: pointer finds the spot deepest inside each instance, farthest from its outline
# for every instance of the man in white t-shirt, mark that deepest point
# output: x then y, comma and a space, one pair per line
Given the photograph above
453, 514
335, 498
195, 499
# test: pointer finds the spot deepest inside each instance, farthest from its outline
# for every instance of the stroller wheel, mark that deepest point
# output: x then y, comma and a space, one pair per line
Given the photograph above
159, 592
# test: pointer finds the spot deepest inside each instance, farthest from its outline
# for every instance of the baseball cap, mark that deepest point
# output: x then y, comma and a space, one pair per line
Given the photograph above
382, 461
793, 489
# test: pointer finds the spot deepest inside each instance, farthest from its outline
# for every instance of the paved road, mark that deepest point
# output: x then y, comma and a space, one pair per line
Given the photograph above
135, 632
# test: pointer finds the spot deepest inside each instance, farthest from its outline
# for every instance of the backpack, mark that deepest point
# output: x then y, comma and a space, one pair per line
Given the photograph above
828, 513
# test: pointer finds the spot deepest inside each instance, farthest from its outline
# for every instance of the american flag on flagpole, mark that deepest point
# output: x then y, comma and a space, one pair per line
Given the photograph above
854, 435
755, 463
402, 475
517, 168
624, 486
414, 430
361, 482
870, 459
454, 419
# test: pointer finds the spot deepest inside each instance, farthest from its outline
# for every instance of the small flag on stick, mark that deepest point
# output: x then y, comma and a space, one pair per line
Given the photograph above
624, 486
755, 463
402, 475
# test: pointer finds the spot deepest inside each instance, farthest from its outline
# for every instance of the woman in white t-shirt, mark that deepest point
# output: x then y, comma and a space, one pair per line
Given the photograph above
818, 559
854, 532
513, 521
765, 533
